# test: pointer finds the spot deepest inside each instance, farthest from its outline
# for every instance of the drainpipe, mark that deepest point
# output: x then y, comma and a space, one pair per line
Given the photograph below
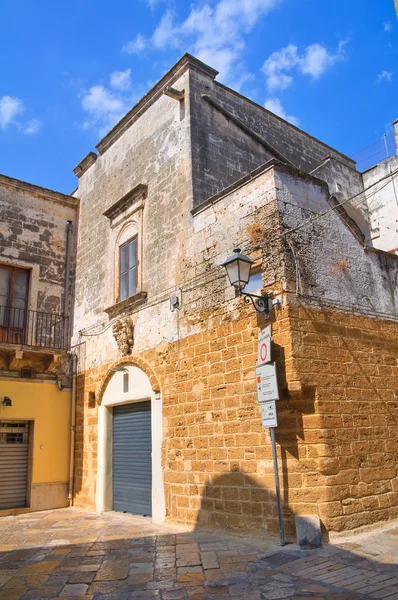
72, 429
69, 227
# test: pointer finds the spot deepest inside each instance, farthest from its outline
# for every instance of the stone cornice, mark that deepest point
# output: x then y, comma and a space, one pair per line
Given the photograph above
139, 192
273, 163
40, 192
311, 137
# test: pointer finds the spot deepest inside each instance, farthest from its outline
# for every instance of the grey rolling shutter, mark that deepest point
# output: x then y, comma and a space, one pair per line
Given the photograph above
13, 464
132, 458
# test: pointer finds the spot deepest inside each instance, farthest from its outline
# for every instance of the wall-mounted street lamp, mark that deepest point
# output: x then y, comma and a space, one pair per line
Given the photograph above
7, 401
238, 268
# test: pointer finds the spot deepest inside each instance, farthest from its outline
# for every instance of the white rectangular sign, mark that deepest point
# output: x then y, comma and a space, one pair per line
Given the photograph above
264, 346
268, 414
266, 383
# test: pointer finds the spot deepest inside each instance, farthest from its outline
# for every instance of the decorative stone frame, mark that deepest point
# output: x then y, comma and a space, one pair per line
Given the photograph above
126, 218
144, 386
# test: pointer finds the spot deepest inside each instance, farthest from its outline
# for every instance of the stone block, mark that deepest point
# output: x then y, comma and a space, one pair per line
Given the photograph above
308, 531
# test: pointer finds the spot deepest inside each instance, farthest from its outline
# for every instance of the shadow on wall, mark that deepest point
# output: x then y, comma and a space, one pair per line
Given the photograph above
238, 502
246, 502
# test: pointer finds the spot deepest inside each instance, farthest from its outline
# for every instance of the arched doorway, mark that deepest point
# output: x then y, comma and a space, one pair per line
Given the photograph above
129, 474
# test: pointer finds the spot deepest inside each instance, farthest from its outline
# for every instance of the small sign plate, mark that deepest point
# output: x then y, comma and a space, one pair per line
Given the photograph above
264, 346
268, 414
266, 383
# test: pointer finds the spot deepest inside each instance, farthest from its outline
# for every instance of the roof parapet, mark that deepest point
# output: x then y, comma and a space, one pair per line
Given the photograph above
40, 192
85, 164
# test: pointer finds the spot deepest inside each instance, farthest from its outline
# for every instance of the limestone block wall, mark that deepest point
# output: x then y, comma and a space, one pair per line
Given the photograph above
350, 431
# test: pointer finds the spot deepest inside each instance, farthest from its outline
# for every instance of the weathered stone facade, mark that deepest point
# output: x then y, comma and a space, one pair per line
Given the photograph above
38, 233
38, 248
200, 184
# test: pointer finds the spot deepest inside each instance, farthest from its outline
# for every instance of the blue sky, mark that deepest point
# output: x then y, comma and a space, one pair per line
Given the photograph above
71, 69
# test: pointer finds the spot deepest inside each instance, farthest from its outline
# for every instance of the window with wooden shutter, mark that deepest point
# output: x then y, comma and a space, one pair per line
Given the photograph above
14, 288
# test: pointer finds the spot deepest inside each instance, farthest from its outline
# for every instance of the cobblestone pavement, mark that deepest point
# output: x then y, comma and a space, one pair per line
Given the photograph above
74, 554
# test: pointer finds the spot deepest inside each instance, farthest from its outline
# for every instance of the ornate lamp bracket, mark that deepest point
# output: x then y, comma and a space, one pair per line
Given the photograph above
260, 303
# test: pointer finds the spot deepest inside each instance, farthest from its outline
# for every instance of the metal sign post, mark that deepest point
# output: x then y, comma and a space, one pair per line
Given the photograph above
267, 394
277, 489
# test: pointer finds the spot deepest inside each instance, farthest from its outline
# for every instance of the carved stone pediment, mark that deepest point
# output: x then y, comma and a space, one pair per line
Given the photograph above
123, 332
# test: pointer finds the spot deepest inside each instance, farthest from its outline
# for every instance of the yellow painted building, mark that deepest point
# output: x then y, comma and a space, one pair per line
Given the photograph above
36, 277
37, 428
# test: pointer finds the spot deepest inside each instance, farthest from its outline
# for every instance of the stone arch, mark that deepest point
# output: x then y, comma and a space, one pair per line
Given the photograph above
113, 393
133, 361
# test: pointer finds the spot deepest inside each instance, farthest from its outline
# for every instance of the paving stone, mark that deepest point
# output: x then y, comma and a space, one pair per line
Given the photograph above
82, 577
213, 588
174, 595
74, 589
185, 570
108, 587
111, 570
113, 596
154, 563
40, 567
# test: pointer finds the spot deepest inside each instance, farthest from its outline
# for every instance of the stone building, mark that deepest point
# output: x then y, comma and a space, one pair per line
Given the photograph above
37, 258
168, 423
382, 201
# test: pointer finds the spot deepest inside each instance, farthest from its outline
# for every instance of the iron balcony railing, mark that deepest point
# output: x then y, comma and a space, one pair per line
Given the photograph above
33, 328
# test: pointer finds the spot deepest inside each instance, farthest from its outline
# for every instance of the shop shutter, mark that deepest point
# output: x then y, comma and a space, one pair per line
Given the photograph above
132, 458
13, 464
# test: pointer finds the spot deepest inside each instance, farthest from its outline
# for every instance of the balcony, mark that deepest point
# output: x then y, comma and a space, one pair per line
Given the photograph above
33, 339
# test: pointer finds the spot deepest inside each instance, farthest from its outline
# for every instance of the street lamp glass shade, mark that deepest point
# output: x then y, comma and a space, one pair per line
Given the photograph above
238, 269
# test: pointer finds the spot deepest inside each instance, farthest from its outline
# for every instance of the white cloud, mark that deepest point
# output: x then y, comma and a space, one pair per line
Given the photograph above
103, 107
135, 46
10, 109
387, 26
384, 76
31, 127
121, 80
214, 33
277, 64
166, 35
317, 60
275, 106
153, 3
314, 61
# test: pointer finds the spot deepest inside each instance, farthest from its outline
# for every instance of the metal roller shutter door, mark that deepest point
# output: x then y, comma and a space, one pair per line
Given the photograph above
132, 458
13, 465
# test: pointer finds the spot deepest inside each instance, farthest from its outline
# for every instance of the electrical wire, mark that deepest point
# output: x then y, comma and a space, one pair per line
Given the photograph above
390, 134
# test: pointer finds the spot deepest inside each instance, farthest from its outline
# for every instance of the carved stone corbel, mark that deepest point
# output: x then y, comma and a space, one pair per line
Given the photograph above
123, 332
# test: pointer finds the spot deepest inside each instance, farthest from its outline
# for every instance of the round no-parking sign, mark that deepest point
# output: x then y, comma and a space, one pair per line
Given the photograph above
264, 345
